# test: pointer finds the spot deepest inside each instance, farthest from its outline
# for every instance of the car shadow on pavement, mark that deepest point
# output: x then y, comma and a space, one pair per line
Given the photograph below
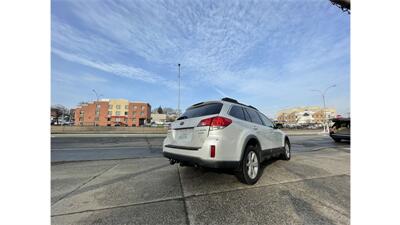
305, 210
263, 165
266, 163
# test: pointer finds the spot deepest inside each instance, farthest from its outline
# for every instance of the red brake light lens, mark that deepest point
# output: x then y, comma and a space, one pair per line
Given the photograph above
220, 122
217, 121
205, 122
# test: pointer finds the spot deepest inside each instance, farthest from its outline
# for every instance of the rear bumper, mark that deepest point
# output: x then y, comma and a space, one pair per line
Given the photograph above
191, 160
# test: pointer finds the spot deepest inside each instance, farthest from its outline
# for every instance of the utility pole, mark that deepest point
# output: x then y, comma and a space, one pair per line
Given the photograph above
179, 89
324, 109
62, 117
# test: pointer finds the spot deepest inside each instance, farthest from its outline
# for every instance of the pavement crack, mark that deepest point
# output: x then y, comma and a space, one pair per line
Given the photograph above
261, 186
119, 206
84, 183
189, 196
183, 197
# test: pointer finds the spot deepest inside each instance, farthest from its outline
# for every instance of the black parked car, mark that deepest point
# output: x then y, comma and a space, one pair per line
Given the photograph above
340, 129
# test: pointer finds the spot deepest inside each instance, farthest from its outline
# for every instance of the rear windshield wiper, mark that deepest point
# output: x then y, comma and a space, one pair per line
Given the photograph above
182, 117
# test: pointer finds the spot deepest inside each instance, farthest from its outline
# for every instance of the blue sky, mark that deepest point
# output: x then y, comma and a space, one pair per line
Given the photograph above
269, 54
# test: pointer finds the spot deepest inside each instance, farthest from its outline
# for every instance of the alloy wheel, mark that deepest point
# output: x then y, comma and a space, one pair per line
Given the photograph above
287, 150
252, 165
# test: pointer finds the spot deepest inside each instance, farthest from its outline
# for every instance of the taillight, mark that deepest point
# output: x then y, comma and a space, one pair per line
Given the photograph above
217, 122
205, 122
220, 122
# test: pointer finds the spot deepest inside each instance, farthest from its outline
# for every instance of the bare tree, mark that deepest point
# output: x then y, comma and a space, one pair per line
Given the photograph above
59, 110
343, 4
160, 110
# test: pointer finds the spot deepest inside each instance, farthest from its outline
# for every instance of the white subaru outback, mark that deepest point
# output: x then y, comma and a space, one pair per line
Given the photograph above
225, 134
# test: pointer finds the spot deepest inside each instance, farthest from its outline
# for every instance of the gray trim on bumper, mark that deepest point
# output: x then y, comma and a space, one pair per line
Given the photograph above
183, 147
190, 160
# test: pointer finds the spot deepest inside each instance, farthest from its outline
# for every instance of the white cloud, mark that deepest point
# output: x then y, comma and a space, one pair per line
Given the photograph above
94, 78
205, 36
116, 68
223, 94
73, 78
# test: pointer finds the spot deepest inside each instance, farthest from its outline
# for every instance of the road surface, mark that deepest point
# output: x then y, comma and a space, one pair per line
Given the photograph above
100, 148
312, 188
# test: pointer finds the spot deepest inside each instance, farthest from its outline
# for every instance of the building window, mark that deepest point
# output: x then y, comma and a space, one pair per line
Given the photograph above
98, 106
117, 113
109, 113
117, 119
118, 107
126, 113
142, 113
126, 106
108, 119
134, 107
97, 113
96, 118
142, 108
110, 107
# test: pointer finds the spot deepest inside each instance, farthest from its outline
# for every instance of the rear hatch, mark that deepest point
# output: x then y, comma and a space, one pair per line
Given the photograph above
185, 132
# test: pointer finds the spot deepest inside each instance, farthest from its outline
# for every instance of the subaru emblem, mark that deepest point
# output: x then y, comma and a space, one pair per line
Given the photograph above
182, 123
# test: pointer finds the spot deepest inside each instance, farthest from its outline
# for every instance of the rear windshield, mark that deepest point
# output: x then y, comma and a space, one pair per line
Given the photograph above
202, 110
339, 124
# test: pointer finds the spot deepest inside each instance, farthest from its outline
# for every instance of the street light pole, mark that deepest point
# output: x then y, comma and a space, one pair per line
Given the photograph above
324, 109
179, 89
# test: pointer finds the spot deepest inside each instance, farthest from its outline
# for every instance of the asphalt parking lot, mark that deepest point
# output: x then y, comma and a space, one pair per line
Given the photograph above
135, 185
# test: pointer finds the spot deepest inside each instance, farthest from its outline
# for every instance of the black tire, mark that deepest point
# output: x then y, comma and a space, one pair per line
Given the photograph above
337, 139
287, 153
243, 173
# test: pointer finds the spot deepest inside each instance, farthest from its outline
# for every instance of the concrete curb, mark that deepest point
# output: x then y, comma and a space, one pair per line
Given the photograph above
107, 135
164, 135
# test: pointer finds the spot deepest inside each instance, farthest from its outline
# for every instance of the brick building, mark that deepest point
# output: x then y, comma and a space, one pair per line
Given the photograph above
113, 112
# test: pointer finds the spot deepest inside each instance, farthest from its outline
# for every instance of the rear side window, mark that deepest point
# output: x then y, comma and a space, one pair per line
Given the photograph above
237, 112
255, 118
267, 122
202, 110
246, 115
